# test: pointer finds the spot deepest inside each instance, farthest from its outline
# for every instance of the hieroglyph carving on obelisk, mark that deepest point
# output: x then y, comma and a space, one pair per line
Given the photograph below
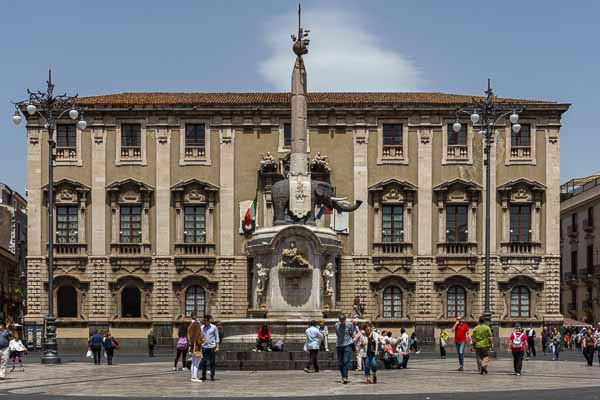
299, 175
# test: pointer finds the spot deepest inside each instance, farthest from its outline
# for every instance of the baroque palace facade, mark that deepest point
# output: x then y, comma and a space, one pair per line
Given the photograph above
150, 198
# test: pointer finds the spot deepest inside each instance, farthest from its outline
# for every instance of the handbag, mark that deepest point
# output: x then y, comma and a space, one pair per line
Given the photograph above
89, 353
197, 353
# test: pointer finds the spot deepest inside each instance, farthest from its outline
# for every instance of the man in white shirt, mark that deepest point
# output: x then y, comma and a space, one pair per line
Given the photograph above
209, 347
530, 342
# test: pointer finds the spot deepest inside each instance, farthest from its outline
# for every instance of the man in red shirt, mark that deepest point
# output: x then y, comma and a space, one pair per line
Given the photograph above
461, 332
264, 338
517, 345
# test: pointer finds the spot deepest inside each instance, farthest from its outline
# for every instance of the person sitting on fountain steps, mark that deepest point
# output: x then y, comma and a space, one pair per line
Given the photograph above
264, 339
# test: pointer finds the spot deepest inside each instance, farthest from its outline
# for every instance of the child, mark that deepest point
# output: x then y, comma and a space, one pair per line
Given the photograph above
17, 349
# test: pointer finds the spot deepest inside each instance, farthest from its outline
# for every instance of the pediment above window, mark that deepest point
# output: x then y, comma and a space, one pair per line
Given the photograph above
522, 190
392, 191
458, 191
67, 191
129, 191
195, 191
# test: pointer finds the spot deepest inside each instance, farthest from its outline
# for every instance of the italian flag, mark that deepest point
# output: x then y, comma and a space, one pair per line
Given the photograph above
250, 213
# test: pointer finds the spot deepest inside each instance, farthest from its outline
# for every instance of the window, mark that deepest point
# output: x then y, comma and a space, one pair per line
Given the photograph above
195, 141
194, 229
519, 302
131, 302
590, 216
456, 301
520, 223
66, 136
521, 138
590, 294
456, 224
590, 259
574, 221
457, 138
66, 302
195, 301
131, 224
66, 224
392, 134
287, 134
392, 302
574, 262
392, 226
131, 135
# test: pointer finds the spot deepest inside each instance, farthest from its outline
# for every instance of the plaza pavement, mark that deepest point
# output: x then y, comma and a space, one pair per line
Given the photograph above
426, 379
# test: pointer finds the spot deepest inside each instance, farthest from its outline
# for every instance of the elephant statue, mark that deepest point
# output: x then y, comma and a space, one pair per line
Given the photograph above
322, 193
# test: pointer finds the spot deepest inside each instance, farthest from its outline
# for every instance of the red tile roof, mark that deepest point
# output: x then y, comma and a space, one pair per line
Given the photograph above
323, 98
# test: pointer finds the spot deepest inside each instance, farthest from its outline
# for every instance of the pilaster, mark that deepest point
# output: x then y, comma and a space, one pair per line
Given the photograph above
98, 237
425, 187
552, 190
163, 191
226, 192
34, 192
361, 192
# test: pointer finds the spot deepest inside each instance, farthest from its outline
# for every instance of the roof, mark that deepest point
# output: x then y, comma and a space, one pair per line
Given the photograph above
578, 185
283, 98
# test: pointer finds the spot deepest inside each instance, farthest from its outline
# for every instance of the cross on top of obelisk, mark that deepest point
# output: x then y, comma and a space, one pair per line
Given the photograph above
300, 39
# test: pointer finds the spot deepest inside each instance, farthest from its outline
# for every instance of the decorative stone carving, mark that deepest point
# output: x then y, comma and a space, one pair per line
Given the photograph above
319, 162
268, 164
328, 276
292, 258
129, 196
262, 279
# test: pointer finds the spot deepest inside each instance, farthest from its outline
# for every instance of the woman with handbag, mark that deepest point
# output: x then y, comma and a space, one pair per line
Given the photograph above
195, 341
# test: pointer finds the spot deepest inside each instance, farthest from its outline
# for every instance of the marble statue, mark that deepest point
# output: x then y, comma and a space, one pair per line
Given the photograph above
292, 257
262, 277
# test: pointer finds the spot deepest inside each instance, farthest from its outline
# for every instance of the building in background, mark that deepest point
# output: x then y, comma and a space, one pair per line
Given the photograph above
580, 242
13, 252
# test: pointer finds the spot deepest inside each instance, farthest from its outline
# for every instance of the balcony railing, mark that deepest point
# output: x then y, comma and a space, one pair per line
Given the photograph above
195, 152
70, 249
457, 152
392, 248
588, 225
457, 249
130, 249
520, 152
392, 151
572, 230
131, 153
195, 249
521, 248
66, 153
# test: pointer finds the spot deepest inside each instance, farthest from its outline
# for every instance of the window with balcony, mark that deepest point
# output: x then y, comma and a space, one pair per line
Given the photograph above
457, 145
392, 142
519, 302
66, 302
521, 142
67, 224
194, 224
66, 142
456, 302
392, 302
195, 141
574, 261
195, 301
456, 223
520, 223
130, 224
131, 142
392, 224
590, 259
131, 302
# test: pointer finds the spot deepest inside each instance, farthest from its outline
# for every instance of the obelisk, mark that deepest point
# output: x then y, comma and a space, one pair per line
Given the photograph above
299, 175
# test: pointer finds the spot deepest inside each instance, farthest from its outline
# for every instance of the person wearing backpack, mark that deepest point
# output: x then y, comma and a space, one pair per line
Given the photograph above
182, 347
517, 345
110, 344
95, 345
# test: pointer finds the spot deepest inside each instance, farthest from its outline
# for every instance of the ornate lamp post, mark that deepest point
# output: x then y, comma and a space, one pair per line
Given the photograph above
485, 114
50, 109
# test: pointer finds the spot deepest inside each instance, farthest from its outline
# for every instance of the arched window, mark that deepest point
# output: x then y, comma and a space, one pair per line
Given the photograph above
519, 302
66, 302
392, 302
131, 302
195, 301
456, 301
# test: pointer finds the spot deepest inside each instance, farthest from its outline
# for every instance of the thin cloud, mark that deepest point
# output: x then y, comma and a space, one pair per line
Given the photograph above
343, 55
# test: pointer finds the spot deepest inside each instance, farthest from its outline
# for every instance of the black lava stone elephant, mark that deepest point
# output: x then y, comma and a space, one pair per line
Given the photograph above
322, 194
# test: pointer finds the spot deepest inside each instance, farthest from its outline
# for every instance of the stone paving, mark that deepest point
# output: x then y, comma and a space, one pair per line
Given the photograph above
423, 376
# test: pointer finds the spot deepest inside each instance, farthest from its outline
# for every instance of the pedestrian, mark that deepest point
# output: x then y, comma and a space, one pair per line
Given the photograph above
264, 339
195, 341
360, 341
17, 349
5, 337
95, 345
461, 332
402, 351
413, 343
343, 331
151, 343
483, 343
325, 332
313, 343
555, 343
597, 337
358, 308
210, 347
181, 346
589, 344
545, 339
110, 344
531, 342
443, 343
372, 340
517, 344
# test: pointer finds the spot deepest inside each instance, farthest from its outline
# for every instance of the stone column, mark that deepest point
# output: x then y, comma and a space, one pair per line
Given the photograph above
361, 191
425, 196
163, 192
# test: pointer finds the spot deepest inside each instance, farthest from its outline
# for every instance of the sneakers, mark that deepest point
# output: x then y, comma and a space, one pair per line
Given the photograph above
269, 349
254, 350
344, 380
460, 369
174, 369
196, 380
308, 371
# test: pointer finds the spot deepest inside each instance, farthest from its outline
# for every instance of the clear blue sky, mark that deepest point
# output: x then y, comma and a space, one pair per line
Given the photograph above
532, 49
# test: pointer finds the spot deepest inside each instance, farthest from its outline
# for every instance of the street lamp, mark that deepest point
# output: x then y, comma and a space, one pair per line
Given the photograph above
50, 109
486, 113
